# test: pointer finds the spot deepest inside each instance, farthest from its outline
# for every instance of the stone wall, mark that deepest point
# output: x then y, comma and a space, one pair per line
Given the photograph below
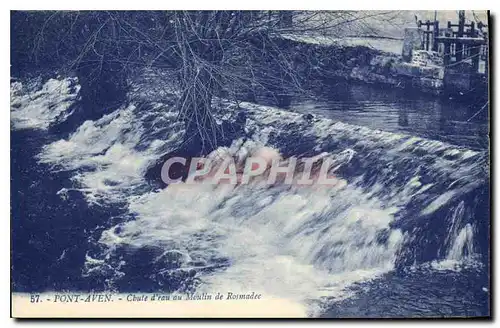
424, 72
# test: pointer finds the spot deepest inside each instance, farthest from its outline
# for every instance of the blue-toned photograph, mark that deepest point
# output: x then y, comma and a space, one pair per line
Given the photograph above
250, 164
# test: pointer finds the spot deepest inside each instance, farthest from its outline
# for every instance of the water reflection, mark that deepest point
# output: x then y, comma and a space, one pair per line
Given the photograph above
458, 121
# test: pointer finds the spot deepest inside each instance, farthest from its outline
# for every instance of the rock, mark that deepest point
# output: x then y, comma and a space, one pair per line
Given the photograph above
308, 117
412, 41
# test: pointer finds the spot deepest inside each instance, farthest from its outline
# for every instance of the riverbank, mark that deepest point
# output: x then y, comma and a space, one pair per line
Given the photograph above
375, 62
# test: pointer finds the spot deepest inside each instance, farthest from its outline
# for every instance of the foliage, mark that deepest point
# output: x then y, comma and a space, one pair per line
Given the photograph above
210, 53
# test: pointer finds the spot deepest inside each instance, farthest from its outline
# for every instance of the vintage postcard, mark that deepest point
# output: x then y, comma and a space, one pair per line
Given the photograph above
250, 164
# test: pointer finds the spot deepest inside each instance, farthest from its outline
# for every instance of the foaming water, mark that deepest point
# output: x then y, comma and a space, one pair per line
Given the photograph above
286, 242
403, 166
459, 242
38, 109
292, 243
457, 119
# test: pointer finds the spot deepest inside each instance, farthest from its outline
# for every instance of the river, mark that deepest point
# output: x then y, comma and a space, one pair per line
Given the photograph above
407, 236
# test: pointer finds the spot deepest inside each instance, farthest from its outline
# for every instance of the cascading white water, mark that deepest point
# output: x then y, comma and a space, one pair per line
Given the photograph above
40, 108
459, 236
462, 245
105, 148
287, 242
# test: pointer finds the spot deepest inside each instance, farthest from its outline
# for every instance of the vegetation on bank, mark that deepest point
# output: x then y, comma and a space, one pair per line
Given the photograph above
234, 54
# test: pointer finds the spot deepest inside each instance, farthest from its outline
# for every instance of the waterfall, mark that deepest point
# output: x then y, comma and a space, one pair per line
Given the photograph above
290, 242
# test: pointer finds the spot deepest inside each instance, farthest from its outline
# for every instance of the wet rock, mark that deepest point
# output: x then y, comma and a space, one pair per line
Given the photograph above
308, 117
